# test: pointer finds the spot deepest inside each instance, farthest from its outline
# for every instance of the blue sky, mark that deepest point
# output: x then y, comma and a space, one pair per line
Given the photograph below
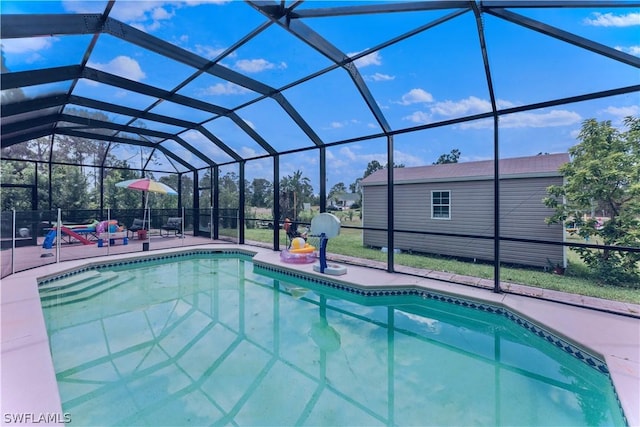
433, 76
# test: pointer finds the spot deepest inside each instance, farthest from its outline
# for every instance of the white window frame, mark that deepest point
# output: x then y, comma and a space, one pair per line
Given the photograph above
433, 206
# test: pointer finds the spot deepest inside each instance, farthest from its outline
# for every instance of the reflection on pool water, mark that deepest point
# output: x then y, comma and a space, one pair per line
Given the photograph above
209, 340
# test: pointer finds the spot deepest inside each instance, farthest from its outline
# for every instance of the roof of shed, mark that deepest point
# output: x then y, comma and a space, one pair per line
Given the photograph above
517, 167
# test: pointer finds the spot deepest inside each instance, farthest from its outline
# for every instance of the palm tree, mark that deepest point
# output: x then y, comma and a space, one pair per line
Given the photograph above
300, 187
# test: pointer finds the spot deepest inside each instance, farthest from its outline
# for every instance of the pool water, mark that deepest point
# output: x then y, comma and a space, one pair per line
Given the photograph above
211, 340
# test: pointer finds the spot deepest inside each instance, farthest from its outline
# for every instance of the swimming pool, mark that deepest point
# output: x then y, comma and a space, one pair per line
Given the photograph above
201, 339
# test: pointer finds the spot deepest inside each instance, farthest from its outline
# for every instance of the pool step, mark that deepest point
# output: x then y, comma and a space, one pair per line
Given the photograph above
82, 290
69, 280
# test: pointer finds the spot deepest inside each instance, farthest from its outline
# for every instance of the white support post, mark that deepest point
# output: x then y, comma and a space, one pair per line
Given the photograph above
58, 235
13, 242
109, 230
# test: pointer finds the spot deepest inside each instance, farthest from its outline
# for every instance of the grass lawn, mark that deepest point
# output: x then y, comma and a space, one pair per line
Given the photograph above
576, 279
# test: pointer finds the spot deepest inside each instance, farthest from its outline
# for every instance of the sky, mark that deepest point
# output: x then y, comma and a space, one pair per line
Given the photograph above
432, 76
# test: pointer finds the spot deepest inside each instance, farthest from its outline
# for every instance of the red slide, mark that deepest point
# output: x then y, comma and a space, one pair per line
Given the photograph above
70, 232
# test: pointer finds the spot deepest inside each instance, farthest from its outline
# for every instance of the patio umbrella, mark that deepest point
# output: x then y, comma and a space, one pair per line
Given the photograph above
147, 185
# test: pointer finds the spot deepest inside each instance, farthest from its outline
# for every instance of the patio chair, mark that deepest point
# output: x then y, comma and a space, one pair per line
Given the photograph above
138, 224
292, 231
173, 224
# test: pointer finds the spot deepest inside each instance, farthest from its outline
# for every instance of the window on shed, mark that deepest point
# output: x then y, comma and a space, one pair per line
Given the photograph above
441, 204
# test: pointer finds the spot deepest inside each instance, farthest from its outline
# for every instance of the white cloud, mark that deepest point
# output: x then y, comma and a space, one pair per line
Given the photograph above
256, 65
352, 159
611, 20
123, 66
208, 52
147, 15
622, 112
415, 96
87, 82
248, 152
349, 158
193, 136
161, 14
134, 11
343, 124
553, 118
120, 94
337, 163
154, 25
347, 153
502, 103
419, 117
225, 89
479, 124
379, 77
470, 105
407, 159
373, 58
632, 50
27, 45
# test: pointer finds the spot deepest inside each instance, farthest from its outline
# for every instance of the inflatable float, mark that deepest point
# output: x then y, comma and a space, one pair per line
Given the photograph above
325, 226
300, 252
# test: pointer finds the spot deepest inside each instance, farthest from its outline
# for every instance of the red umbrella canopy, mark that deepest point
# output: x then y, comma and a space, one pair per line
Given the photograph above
146, 184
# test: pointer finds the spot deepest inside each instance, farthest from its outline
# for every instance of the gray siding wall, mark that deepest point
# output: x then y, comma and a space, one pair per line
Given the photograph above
522, 215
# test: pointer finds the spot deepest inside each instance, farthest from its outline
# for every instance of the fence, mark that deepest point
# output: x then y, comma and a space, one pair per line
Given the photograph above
32, 239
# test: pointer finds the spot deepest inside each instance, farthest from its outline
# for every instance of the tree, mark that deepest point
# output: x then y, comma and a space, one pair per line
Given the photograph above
261, 192
295, 190
604, 171
229, 193
373, 166
89, 155
354, 187
448, 158
337, 189
70, 186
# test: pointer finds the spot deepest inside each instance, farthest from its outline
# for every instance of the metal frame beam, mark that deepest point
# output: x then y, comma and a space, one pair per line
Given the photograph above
572, 4
40, 25
496, 149
379, 8
320, 44
8, 140
565, 36
112, 138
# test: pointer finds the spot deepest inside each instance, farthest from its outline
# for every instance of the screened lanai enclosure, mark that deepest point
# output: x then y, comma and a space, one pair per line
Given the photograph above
258, 111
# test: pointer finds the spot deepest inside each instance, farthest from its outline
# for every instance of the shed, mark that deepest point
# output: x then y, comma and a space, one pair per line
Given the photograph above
455, 202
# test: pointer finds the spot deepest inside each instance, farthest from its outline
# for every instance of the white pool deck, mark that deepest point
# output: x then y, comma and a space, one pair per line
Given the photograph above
28, 382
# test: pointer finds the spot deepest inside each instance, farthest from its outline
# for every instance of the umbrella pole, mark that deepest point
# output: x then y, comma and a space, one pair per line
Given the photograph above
146, 208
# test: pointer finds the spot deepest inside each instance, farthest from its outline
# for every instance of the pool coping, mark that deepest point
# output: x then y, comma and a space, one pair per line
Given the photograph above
28, 383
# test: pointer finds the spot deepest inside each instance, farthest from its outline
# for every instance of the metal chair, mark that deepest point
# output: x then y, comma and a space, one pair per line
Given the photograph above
173, 224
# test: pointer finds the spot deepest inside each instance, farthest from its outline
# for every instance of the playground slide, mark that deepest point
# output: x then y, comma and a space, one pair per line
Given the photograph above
51, 237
